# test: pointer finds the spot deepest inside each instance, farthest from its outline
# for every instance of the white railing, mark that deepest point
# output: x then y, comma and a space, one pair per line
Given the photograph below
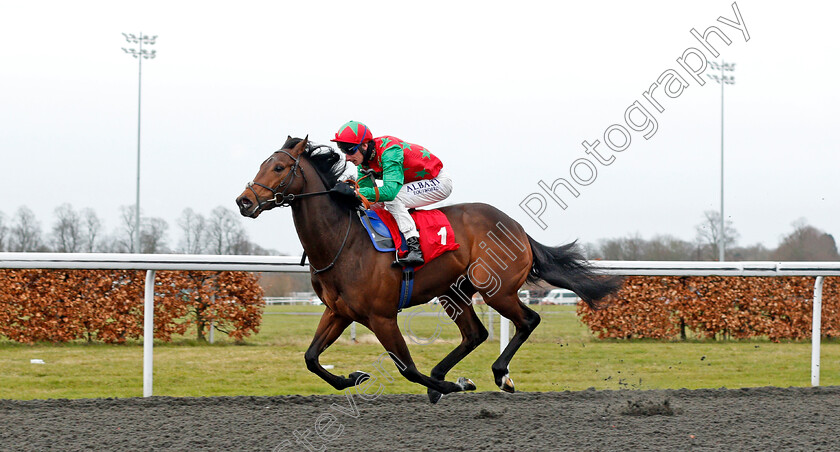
674, 268
818, 269
150, 263
100, 261
154, 262
269, 301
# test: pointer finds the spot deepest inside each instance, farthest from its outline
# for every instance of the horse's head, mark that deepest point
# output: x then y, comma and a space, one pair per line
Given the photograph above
277, 181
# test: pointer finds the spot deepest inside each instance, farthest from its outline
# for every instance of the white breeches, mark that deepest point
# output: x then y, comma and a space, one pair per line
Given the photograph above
418, 194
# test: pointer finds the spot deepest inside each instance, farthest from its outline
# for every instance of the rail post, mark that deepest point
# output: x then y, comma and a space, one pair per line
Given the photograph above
504, 333
816, 321
148, 332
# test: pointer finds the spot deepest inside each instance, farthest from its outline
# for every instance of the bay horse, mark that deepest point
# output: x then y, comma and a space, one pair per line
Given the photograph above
358, 283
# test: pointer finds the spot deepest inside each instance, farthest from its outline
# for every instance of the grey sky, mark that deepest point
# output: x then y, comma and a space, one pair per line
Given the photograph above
503, 92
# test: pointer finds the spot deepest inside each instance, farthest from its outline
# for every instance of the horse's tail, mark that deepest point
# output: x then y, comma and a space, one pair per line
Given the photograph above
564, 266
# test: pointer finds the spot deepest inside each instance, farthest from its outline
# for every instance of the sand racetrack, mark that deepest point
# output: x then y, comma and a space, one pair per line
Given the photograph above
741, 419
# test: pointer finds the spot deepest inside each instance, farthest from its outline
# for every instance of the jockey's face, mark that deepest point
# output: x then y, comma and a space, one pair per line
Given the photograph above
357, 157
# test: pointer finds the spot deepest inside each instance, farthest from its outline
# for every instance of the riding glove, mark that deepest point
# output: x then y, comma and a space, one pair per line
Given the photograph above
344, 189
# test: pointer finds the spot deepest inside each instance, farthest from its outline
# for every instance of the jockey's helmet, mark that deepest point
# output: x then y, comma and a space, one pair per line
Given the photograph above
353, 132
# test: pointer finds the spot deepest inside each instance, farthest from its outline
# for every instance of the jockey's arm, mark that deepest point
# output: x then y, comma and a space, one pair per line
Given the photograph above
392, 176
363, 179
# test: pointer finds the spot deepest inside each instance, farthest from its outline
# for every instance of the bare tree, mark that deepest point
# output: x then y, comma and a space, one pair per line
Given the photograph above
243, 246
25, 232
194, 228
807, 243
708, 234
610, 249
668, 248
225, 234
257, 250
4, 232
92, 229
623, 249
67, 234
111, 243
125, 234
634, 247
153, 236
757, 252
592, 251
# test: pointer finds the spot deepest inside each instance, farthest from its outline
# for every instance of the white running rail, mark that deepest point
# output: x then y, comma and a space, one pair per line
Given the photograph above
150, 263
154, 262
683, 268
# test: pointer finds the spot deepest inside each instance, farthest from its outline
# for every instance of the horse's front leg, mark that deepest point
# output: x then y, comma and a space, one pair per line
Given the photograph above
473, 333
388, 332
329, 329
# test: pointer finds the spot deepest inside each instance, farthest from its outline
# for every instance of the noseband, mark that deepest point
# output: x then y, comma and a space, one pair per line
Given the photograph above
280, 199
283, 199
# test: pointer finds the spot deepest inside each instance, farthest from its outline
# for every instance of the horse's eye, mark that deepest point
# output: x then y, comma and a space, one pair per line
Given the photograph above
279, 168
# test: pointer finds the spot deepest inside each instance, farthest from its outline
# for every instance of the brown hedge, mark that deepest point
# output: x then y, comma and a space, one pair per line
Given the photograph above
715, 307
107, 305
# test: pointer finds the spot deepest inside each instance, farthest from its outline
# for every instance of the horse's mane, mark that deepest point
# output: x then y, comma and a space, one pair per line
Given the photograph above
329, 164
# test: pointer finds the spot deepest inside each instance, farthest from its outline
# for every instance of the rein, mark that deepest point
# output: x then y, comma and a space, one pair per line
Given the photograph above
286, 199
340, 249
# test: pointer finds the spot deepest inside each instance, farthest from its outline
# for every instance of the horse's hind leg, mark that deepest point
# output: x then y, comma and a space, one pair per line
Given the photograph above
329, 329
473, 334
525, 320
388, 332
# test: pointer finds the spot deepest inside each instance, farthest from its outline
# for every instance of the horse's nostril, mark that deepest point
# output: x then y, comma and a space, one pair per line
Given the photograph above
243, 202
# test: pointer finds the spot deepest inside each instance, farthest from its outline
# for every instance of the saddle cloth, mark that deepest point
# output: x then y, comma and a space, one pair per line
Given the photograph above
436, 234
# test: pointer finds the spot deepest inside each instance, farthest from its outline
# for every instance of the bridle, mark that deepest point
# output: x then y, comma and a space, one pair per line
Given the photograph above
283, 199
280, 199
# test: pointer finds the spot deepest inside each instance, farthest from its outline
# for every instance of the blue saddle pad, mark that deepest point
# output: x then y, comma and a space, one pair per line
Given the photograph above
380, 235
377, 231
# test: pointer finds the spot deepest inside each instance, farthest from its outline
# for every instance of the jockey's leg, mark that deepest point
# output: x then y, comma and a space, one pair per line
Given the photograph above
408, 228
426, 192
413, 195
399, 210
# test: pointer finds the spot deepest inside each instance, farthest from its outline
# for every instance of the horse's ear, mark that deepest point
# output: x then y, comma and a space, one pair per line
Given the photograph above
288, 137
298, 150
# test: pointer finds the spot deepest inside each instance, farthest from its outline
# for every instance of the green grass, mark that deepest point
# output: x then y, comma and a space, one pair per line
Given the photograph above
560, 355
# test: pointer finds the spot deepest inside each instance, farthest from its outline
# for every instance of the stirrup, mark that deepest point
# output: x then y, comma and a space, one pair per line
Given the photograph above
401, 262
405, 263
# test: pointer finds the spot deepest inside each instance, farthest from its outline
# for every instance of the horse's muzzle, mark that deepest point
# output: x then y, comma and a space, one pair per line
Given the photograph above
247, 208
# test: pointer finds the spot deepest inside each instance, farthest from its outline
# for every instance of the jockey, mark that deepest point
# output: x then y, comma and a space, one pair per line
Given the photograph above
411, 177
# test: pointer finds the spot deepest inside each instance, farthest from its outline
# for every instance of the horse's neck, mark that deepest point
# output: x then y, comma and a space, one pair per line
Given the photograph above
320, 222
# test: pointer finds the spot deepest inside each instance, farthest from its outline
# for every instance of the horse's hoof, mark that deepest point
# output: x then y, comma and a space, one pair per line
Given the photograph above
434, 396
358, 377
466, 384
507, 384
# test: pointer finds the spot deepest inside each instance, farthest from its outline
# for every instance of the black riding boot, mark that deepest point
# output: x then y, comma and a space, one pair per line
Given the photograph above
414, 257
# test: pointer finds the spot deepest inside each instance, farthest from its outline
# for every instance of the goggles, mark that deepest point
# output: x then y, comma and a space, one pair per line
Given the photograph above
348, 148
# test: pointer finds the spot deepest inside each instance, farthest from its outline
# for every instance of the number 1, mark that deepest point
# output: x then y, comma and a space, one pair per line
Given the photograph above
442, 234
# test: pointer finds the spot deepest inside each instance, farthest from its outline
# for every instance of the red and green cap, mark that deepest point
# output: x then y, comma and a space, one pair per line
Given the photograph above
353, 132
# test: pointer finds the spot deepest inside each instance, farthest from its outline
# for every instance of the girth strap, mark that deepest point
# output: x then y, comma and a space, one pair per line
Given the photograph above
406, 287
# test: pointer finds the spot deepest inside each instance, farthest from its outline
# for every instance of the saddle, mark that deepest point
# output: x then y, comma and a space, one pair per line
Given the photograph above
436, 234
436, 238
377, 230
